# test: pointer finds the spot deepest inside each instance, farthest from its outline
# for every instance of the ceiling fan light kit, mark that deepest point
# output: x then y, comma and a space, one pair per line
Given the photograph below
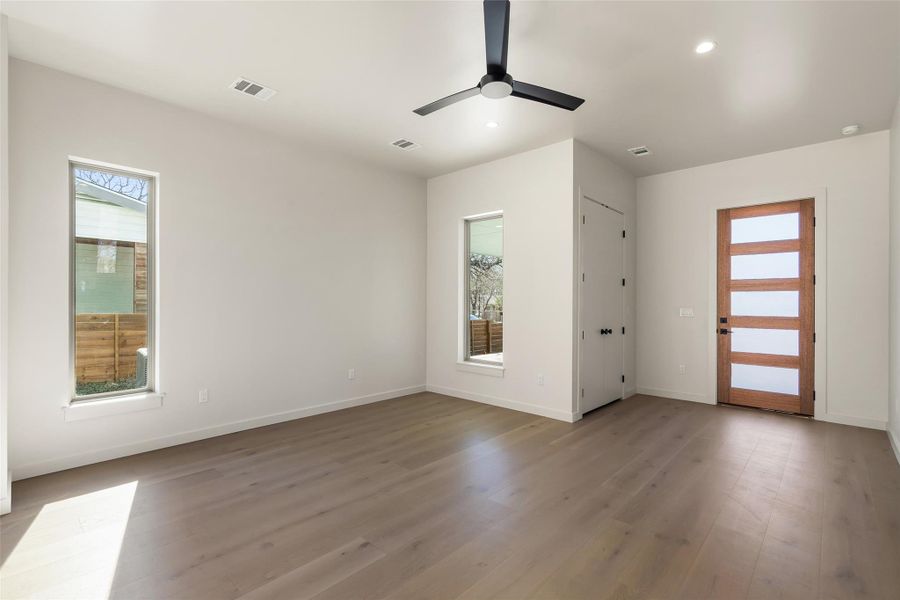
497, 83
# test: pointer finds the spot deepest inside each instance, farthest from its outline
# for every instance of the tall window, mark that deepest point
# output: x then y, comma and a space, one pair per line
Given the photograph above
112, 281
484, 290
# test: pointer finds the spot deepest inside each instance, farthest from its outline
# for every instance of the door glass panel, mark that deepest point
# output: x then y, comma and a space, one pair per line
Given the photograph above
766, 304
766, 341
766, 379
777, 265
764, 229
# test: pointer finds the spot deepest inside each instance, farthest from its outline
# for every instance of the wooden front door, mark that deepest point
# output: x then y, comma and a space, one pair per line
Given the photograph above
766, 321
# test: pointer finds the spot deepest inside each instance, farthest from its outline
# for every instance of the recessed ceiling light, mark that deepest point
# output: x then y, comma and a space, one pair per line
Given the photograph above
705, 47
850, 129
492, 124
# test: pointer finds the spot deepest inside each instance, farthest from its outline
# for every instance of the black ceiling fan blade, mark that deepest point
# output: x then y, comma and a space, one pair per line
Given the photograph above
496, 35
545, 96
445, 102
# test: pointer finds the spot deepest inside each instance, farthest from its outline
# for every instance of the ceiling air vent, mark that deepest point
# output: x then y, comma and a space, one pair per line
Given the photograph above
251, 88
640, 151
405, 144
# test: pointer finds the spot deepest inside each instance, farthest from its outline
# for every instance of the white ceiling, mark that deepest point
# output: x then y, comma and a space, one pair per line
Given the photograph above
349, 74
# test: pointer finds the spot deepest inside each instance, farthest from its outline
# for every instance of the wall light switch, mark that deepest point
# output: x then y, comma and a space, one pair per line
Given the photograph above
351, 374
540, 379
686, 312
681, 369
204, 396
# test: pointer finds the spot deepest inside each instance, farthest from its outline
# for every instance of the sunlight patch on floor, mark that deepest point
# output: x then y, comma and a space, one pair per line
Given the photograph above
75, 541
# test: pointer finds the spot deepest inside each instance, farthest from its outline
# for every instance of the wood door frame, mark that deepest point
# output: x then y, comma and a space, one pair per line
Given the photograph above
819, 195
576, 291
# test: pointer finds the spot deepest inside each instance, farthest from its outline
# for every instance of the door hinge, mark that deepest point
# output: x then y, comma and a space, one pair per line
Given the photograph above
623, 281
814, 339
814, 395
814, 280
623, 330
582, 392
623, 233
623, 379
582, 334
582, 222
582, 276
814, 221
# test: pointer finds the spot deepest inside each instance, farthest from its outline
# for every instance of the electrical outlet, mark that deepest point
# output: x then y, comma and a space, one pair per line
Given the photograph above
682, 369
351, 374
204, 396
540, 379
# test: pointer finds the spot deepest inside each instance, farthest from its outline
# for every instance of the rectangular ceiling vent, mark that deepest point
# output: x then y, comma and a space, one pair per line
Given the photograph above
405, 144
251, 88
640, 151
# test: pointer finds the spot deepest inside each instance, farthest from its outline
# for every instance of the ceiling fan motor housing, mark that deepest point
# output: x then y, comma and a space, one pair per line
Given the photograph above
496, 86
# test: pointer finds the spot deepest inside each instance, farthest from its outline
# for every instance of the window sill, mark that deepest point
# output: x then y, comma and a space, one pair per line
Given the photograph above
117, 405
480, 368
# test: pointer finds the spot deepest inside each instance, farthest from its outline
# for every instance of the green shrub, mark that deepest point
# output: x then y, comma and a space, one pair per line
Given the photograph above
101, 387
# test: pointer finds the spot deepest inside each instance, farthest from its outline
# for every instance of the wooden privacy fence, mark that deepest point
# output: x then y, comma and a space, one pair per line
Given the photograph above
485, 337
106, 345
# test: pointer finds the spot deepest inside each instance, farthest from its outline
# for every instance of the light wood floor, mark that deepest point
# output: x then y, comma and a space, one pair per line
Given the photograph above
434, 497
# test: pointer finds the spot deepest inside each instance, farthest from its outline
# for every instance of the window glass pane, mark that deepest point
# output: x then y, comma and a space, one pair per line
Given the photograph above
763, 229
766, 341
766, 304
778, 265
766, 379
111, 281
484, 291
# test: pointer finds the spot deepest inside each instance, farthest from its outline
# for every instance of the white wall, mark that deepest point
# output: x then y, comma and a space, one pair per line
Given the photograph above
536, 191
281, 267
5, 480
894, 404
600, 179
674, 267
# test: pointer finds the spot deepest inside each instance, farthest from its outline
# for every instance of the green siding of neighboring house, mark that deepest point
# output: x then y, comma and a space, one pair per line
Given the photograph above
103, 292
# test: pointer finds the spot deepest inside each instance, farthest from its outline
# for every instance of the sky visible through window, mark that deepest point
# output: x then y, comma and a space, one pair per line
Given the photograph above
132, 187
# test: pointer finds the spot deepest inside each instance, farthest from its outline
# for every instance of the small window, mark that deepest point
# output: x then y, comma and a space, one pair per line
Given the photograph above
484, 290
112, 281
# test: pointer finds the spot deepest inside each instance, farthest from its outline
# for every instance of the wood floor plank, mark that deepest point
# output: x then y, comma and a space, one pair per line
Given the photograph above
322, 573
429, 496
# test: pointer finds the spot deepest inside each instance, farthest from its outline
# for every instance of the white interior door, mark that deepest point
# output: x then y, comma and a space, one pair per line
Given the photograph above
601, 305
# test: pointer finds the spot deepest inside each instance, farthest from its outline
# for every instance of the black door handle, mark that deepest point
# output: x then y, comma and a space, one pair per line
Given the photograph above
724, 331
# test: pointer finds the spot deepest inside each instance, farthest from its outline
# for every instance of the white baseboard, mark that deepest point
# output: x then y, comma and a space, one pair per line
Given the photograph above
895, 444
630, 392
94, 456
689, 396
855, 421
6, 500
552, 413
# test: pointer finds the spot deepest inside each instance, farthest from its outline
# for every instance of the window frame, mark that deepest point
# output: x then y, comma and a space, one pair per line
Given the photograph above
153, 178
467, 358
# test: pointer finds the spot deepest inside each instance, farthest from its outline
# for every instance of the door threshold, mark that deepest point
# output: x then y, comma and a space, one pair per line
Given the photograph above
769, 410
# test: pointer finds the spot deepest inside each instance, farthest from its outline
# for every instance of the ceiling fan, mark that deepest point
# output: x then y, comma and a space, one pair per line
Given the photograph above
497, 83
